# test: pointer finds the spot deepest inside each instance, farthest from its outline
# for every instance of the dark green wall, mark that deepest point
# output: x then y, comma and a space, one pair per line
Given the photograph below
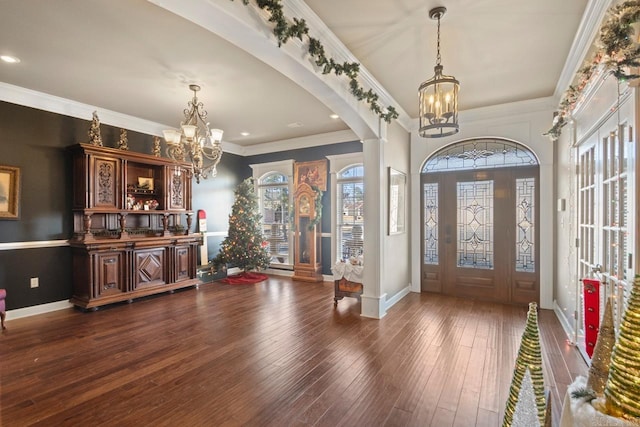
216, 196
307, 155
36, 141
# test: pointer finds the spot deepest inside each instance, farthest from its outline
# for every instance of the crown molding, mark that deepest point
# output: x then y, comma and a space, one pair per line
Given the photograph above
582, 43
55, 104
67, 107
302, 142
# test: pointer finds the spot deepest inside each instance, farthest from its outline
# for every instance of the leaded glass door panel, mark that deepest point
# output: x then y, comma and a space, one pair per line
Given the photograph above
479, 234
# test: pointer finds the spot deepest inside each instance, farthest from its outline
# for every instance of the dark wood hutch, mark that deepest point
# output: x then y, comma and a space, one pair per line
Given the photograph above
132, 220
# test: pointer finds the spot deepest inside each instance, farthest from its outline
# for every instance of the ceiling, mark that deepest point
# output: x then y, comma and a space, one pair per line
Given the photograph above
137, 57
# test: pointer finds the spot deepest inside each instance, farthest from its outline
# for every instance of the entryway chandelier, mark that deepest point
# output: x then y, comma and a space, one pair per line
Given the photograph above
438, 97
195, 141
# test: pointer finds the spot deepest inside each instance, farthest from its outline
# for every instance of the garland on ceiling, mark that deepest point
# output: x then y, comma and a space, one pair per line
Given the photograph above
285, 30
617, 54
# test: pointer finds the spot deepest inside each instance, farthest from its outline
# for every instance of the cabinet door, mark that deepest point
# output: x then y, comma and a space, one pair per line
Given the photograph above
183, 270
179, 185
109, 279
149, 268
105, 191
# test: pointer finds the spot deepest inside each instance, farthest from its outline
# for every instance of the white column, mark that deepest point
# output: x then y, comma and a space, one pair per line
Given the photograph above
334, 204
373, 297
415, 216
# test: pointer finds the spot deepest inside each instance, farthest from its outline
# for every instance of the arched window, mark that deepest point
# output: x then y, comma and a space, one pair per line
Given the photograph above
483, 153
274, 189
350, 211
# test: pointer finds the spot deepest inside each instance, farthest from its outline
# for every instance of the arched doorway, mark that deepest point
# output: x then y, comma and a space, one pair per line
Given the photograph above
479, 205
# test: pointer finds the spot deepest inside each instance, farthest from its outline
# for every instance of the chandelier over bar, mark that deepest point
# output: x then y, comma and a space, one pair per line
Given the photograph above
195, 141
438, 97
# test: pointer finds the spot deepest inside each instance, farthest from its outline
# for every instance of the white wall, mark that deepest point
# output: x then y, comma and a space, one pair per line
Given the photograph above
524, 122
387, 272
396, 277
593, 119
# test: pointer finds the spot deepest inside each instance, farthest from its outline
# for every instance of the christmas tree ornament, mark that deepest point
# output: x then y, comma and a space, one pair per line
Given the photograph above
622, 391
123, 143
601, 360
95, 138
528, 361
156, 146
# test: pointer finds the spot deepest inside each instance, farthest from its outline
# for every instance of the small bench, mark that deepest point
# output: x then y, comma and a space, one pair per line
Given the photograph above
346, 288
347, 277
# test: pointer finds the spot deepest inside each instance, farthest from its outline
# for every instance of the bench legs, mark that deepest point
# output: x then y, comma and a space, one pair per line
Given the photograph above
2, 316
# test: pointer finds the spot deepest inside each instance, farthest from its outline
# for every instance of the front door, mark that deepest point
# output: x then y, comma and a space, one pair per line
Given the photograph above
479, 235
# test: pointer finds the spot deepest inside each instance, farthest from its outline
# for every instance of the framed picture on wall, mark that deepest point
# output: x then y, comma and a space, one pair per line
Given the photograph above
145, 183
397, 201
312, 173
9, 192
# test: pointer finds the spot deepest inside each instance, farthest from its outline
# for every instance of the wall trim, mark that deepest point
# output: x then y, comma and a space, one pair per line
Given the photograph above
279, 272
67, 107
571, 335
373, 307
55, 104
33, 245
215, 234
397, 297
582, 43
328, 138
38, 309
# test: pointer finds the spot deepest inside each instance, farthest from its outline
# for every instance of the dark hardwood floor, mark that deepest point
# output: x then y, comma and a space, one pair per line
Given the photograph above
276, 353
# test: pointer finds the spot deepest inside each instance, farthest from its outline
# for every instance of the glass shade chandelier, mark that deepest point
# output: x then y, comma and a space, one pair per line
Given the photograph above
438, 97
195, 141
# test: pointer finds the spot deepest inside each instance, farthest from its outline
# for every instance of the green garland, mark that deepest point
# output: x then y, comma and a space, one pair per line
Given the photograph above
284, 30
617, 54
318, 208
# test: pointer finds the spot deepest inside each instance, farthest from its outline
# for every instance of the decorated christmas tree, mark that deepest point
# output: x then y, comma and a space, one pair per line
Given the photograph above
244, 247
623, 385
601, 360
529, 366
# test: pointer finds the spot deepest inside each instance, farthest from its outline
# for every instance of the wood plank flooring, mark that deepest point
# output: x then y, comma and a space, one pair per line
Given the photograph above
273, 354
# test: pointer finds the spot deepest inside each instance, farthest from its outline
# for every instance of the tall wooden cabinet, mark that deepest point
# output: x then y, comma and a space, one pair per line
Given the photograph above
132, 226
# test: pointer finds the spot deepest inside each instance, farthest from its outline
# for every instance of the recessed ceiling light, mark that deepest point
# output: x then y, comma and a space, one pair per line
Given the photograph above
334, 116
245, 133
10, 59
295, 125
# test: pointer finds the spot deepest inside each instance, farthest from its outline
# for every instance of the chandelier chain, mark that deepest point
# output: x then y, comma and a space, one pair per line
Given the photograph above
438, 96
438, 58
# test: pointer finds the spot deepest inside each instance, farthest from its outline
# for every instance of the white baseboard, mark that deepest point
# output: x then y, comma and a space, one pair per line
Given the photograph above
397, 297
373, 307
278, 272
568, 329
38, 309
